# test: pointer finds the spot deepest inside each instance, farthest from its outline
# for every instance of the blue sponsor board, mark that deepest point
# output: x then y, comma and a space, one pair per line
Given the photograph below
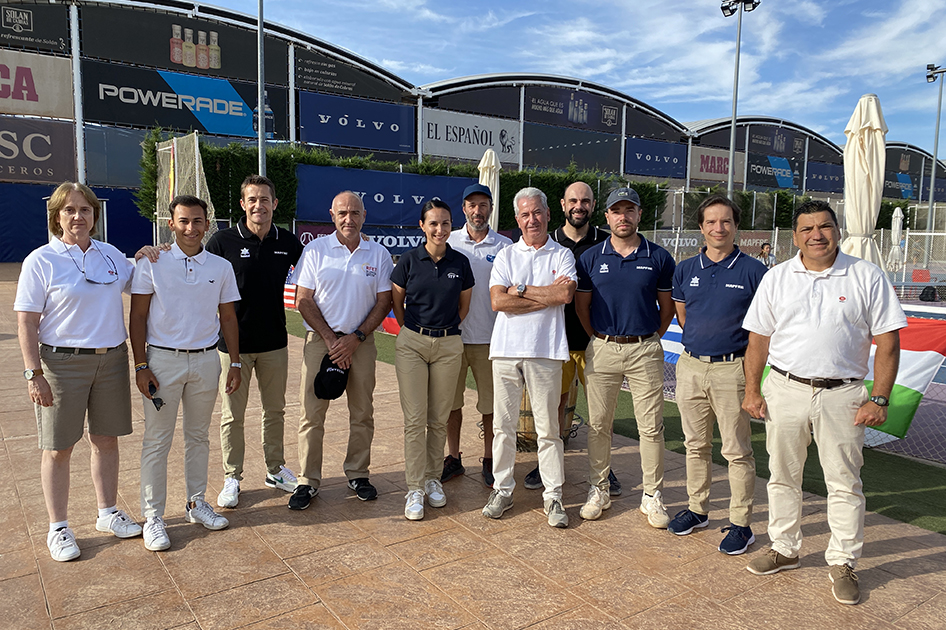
351, 122
395, 240
774, 172
391, 199
655, 158
825, 177
901, 185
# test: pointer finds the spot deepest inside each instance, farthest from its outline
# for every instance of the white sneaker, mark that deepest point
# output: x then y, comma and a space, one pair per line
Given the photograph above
155, 534
284, 480
654, 508
204, 514
414, 509
435, 496
597, 502
230, 495
119, 524
62, 545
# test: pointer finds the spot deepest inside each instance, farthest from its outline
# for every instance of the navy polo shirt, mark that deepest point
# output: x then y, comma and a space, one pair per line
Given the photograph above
624, 290
574, 331
261, 268
717, 296
433, 289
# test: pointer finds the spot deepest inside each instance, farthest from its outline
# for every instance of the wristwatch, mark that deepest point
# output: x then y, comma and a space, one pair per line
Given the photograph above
880, 401
521, 289
31, 374
361, 336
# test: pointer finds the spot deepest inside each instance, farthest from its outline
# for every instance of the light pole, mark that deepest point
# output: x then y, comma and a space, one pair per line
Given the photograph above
730, 8
260, 94
932, 70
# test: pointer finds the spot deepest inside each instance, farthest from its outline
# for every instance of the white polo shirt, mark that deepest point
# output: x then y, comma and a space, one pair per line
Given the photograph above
186, 293
346, 284
478, 325
538, 335
821, 324
73, 312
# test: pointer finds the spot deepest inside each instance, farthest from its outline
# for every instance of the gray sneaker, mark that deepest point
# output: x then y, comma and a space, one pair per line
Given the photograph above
556, 513
498, 504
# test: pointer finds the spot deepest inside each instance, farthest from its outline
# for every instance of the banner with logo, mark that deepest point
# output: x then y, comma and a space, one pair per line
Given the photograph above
901, 185
655, 158
572, 108
36, 85
41, 27
825, 178
712, 165
769, 140
492, 101
391, 199
136, 96
35, 150
774, 172
320, 73
395, 240
448, 134
351, 122
558, 147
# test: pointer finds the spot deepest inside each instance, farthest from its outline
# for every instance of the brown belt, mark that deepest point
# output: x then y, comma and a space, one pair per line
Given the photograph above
624, 338
820, 383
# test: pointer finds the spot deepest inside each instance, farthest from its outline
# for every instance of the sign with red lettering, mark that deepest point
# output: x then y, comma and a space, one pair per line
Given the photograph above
38, 85
712, 165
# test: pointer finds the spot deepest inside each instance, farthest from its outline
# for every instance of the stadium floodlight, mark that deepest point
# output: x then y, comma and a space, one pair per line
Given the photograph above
730, 8
932, 72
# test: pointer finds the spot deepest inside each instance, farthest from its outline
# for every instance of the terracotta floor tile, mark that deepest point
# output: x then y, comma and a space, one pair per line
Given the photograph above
251, 602
22, 605
440, 548
384, 519
626, 591
13, 523
584, 618
926, 616
314, 617
292, 533
342, 561
17, 563
716, 576
166, 609
688, 610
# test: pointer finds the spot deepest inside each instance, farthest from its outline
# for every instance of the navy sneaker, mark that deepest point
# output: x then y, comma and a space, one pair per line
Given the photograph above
686, 521
488, 471
614, 489
302, 497
737, 540
363, 489
533, 480
452, 467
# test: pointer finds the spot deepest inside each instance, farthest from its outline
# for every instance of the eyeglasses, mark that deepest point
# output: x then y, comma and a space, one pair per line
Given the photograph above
108, 275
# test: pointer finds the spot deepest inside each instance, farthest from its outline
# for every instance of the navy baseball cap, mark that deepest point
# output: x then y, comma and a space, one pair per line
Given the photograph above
331, 380
623, 194
472, 189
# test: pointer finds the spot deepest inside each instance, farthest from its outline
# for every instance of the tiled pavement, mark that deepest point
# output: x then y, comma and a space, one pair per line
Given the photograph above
348, 564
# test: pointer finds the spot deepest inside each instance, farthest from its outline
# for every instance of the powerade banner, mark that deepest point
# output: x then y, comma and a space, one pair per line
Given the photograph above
36, 150
351, 122
41, 27
558, 147
901, 185
320, 73
654, 158
135, 96
571, 108
771, 172
825, 178
391, 199
395, 240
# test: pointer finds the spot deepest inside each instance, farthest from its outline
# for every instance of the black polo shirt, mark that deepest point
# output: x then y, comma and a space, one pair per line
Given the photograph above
574, 332
261, 269
433, 288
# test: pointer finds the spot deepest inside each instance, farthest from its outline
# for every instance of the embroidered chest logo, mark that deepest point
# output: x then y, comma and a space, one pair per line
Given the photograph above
645, 268
245, 252
695, 281
604, 268
370, 272
842, 299
490, 257
452, 275
212, 281
735, 286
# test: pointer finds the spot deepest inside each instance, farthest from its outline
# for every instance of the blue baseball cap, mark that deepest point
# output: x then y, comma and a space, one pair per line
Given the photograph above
623, 194
473, 189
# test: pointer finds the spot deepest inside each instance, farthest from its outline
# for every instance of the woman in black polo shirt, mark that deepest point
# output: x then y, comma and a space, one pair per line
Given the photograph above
431, 287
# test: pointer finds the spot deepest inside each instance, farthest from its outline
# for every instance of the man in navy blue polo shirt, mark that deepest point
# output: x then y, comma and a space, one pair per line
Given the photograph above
624, 303
712, 292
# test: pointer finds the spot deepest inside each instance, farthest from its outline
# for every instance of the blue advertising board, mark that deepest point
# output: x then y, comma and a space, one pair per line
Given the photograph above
901, 185
395, 240
655, 158
774, 172
391, 199
825, 177
352, 122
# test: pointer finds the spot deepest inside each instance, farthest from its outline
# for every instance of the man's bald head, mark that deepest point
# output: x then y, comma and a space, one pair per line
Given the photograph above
578, 204
348, 215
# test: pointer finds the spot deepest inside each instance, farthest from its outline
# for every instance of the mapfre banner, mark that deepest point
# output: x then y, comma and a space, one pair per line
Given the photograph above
37, 85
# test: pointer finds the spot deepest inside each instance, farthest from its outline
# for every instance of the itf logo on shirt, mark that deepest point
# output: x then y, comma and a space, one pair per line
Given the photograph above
695, 281
604, 268
370, 272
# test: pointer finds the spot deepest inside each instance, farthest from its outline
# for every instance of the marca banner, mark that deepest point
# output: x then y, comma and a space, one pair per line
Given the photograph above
776, 141
825, 177
465, 136
351, 122
558, 147
36, 150
391, 199
321, 73
654, 158
36, 85
571, 108
395, 240
136, 96
774, 172
41, 27
712, 165
901, 185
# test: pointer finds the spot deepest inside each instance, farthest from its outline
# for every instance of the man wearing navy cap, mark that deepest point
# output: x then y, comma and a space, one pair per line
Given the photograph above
712, 292
623, 301
478, 242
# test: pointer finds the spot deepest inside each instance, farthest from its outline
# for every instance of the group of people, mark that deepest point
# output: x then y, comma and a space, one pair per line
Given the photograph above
579, 303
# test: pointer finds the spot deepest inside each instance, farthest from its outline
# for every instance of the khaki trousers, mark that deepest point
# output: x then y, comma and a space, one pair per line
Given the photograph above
360, 392
794, 412
708, 394
606, 366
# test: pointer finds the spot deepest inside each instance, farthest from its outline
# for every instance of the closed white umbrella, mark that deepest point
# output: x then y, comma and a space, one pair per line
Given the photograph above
864, 162
489, 176
895, 255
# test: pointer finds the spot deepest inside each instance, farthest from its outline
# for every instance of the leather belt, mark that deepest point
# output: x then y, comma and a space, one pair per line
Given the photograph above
718, 358
63, 350
819, 383
151, 345
624, 338
433, 332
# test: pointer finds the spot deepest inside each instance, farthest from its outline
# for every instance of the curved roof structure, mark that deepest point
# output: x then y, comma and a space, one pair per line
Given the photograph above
702, 127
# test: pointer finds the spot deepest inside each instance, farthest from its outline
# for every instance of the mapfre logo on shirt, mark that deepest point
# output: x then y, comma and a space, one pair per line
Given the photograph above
370, 272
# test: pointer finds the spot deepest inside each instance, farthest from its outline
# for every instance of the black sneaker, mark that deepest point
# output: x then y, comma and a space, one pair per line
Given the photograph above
737, 540
302, 497
363, 488
685, 521
614, 489
533, 480
452, 467
488, 471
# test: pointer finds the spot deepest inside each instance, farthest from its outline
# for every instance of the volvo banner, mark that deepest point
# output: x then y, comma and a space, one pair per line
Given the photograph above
395, 240
655, 158
774, 172
352, 122
36, 85
321, 73
825, 177
36, 26
712, 165
391, 199
36, 150
449, 134
572, 108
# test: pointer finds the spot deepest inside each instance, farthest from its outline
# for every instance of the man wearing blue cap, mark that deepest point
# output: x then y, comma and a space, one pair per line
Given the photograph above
478, 242
623, 301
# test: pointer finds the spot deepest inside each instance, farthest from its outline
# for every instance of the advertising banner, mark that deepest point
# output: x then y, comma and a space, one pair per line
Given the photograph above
774, 172
320, 73
901, 185
655, 158
643, 124
177, 42
571, 108
112, 156
712, 165
776, 141
904, 161
449, 134
136, 96
351, 122
41, 27
557, 147
825, 178
491, 101
395, 240
34, 150
391, 199
37, 85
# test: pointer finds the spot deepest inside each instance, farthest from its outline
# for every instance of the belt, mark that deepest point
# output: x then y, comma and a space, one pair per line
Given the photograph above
63, 350
624, 338
151, 345
718, 358
434, 332
820, 383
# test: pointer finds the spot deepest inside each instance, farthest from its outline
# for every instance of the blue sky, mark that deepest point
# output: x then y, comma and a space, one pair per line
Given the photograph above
805, 61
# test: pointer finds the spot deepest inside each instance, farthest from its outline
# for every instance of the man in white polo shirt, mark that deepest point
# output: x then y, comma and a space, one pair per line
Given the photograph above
478, 242
531, 282
174, 307
344, 293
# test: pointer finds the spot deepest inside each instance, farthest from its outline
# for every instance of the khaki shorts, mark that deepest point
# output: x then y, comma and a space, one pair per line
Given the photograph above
476, 357
574, 366
97, 383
